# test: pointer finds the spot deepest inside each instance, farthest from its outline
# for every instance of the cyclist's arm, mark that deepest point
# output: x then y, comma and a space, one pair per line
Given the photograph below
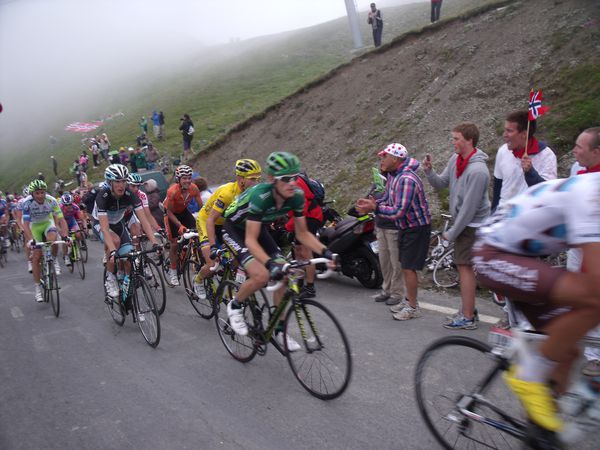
306, 237
139, 212
252, 233
151, 219
105, 228
62, 225
27, 230
210, 226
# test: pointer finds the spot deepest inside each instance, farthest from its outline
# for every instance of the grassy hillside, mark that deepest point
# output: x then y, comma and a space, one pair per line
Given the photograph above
219, 90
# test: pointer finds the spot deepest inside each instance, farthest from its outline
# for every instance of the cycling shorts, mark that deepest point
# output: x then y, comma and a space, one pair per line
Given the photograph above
203, 234
40, 230
234, 239
118, 228
525, 280
72, 224
187, 220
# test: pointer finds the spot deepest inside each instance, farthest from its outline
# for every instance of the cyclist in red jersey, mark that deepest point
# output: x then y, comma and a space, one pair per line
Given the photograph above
179, 218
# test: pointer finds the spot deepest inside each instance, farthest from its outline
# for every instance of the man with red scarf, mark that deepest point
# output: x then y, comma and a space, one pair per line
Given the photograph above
467, 177
516, 169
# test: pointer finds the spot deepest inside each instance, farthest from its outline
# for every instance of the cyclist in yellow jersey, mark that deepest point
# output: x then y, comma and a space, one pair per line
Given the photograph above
210, 218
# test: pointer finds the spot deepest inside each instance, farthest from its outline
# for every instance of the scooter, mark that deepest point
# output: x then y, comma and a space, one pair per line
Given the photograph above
353, 238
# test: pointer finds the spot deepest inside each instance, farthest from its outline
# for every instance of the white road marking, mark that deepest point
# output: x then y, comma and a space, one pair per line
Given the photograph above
16, 312
448, 311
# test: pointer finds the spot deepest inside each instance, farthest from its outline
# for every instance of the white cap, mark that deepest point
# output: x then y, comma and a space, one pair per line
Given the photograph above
397, 150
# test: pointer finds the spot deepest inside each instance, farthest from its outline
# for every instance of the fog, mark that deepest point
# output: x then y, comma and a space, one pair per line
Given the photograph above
57, 55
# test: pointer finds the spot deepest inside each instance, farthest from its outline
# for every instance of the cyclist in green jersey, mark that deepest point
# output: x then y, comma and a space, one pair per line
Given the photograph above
246, 233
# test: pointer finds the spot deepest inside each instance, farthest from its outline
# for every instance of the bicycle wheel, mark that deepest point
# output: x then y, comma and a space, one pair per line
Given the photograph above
435, 250
72, 255
203, 307
146, 313
445, 273
323, 365
166, 266
83, 250
114, 305
53, 289
461, 369
78, 261
155, 281
241, 348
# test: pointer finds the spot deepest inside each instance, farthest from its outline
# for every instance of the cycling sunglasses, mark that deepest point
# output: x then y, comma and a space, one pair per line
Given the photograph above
287, 178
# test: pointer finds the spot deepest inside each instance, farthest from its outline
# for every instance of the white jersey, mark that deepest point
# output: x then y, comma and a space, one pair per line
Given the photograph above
548, 218
508, 169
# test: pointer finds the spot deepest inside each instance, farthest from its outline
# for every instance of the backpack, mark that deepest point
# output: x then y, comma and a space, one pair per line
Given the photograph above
317, 188
191, 130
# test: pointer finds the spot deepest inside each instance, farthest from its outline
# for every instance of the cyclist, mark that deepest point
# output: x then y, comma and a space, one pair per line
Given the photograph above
547, 218
134, 181
41, 215
72, 215
246, 233
4, 213
19, 218
210, 218
112, 202
179, 196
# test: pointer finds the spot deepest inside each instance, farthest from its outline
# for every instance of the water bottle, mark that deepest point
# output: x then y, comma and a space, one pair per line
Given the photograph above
125, 286
582, 405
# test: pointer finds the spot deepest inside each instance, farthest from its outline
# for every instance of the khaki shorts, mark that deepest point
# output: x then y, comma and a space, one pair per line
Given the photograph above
464, 245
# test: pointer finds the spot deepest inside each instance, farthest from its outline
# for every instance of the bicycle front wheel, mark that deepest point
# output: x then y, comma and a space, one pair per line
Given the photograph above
445, 273
203, 307
323, 364
460, 369
78, 261
53, 290
114, 305
241, 348
156, 282
83, 250
146, 313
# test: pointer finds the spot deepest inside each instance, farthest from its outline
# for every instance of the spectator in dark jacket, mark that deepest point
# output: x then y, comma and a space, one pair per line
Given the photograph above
187, 132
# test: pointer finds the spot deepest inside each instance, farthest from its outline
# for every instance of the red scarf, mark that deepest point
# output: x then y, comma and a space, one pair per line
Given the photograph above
533, 148
461, 163
592, 169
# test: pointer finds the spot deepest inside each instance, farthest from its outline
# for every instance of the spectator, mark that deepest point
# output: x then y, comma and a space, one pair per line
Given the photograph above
436, 7
95, 151
152, 156
154, 201
140, 159
75, 170
113, 157
54, 165
515, 171
104, 145
141, 140
405, 203
205, 194
132, 159
155, 123
40, 176
123, 157
161, 123
376, 23
59, 187
144, 125
392, 289
467, 177
83, 162
187, 132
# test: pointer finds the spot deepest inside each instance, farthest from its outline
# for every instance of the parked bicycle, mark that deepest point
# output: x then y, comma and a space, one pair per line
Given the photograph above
322, 365
48, 278
135, 296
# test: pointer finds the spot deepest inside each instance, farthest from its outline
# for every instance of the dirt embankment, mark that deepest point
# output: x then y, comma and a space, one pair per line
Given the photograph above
416, 89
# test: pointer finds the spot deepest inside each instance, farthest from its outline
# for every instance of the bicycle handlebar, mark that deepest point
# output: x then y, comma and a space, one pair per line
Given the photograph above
187, 236
42, 244
298, 264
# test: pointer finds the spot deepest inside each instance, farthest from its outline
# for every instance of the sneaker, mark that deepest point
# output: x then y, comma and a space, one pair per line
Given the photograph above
112, 289
67, 261
503, 323
537, 400
381, 297
393, 301
199, 289
173, 277
460, 322
591, 368
57, 267
459, 314
399, 306
308, 292
407, 313
29, 266
236, 320
292, 345
39, 296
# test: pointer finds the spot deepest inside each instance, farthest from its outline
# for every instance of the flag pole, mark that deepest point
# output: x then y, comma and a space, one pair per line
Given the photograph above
528, 122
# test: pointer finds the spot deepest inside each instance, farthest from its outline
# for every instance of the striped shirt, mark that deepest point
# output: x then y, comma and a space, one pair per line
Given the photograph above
404, 198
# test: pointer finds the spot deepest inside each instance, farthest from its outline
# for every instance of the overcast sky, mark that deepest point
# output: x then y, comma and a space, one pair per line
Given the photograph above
50, 49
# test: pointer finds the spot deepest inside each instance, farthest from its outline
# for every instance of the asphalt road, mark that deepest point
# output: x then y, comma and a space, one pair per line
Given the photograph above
81, 382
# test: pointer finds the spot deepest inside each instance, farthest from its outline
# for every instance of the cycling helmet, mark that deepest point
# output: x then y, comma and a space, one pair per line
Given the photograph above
247, 168
36, 185
134, 179
66, 199
183, 171
282, 163
116, 172
25, 191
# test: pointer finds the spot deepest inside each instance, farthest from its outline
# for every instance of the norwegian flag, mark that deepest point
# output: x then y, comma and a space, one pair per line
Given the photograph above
81, 127
535, 105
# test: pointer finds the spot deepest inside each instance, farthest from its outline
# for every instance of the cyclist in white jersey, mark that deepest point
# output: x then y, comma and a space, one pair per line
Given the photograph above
547, 218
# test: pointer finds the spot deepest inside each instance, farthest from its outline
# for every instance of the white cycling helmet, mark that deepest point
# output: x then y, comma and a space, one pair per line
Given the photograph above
116, 172
183, 171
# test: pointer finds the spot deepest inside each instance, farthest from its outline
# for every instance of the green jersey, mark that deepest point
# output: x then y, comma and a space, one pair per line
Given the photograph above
258, 204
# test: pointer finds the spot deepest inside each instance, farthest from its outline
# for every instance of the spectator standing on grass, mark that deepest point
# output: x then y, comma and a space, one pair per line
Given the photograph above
161, 124
436, 9
404, 201
104, 145
54, 165
155, 123
140, 159
95, 151
467, 177
374, 19
152, 156
187, 133
132, 160
123, 157
144, 125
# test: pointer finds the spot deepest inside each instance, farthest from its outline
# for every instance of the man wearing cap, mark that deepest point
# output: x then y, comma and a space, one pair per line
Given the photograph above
467, 177
404, 201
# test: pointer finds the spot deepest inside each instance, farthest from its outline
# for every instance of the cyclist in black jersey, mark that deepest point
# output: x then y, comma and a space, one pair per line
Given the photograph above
246, 232
113, 201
